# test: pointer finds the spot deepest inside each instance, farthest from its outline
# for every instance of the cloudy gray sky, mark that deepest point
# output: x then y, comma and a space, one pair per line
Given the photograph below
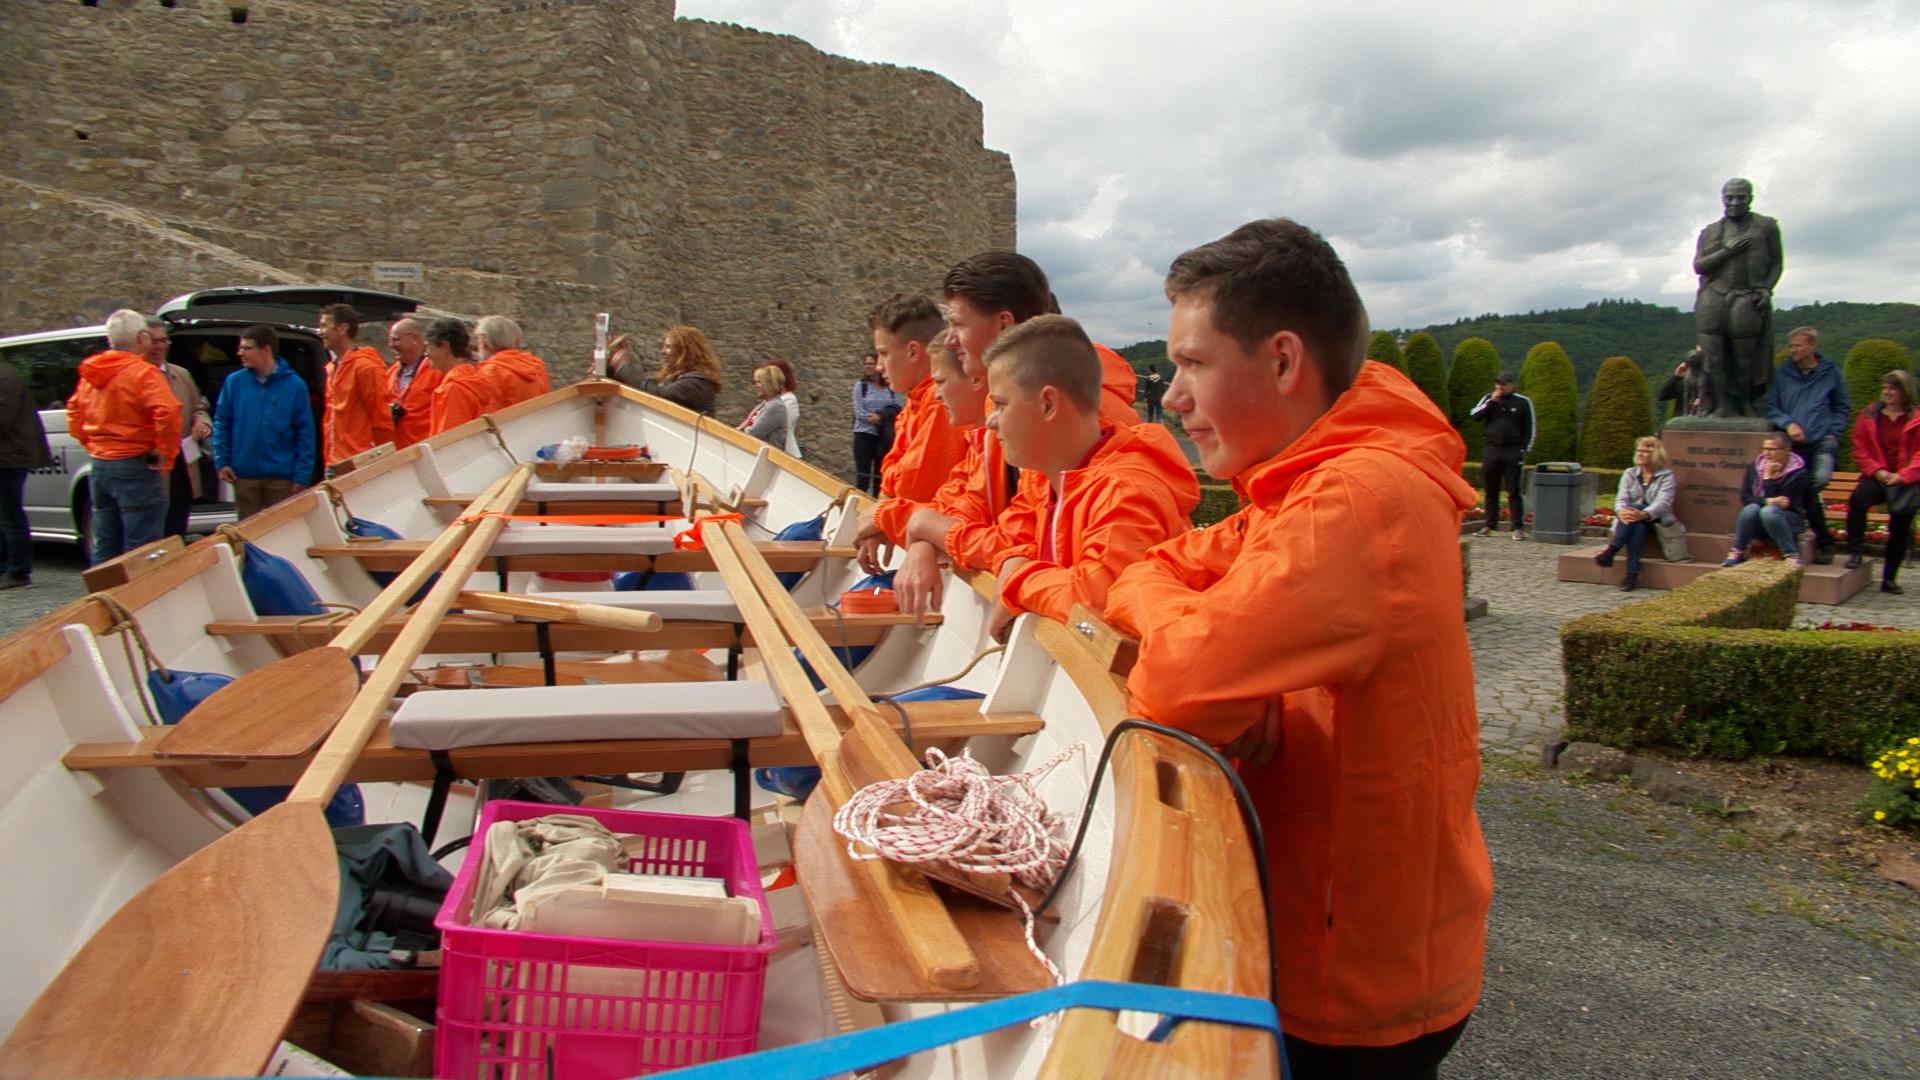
1465, 157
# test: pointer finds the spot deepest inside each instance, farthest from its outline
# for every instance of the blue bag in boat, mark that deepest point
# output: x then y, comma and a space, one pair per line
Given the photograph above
797, 781
636, 581
811, 529
276, 586
361, 528
175, 697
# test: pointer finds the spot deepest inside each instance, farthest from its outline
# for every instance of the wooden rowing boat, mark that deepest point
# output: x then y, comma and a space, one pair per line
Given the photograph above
97, 808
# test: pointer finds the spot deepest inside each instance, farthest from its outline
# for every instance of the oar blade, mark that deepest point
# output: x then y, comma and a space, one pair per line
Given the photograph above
154, 993
282, 710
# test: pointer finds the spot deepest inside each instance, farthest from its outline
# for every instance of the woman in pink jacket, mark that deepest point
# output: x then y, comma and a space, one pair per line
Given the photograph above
1885, 440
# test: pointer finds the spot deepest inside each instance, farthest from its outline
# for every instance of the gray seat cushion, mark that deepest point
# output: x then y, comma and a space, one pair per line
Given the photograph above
679, 605
548, 492
585, 540
446, 719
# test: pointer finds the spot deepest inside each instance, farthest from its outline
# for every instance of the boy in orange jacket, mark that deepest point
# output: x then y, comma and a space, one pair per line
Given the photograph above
1111, 492
358, 414
1317, 632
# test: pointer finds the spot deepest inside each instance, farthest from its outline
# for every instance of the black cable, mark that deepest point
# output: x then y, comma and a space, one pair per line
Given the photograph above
1240, 795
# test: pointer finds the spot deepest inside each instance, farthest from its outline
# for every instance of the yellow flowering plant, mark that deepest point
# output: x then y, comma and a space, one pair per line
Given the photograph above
1894, 798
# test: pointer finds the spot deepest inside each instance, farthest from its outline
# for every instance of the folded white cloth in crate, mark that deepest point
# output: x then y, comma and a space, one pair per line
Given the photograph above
447, 719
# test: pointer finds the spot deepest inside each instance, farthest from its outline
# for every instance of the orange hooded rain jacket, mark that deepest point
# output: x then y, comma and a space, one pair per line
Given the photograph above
462, 394
357, 415
1119, 384
1336, 592
925, 450
417, 424
1135, 490
123, 408
516, 376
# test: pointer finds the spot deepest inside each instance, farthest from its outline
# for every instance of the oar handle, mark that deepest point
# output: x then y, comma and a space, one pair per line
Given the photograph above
523, 605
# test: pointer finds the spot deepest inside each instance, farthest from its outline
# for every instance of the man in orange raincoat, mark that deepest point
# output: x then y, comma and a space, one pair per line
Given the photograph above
410, 383
516, 375
358, 416
1317, 633
1111, 492
125, 415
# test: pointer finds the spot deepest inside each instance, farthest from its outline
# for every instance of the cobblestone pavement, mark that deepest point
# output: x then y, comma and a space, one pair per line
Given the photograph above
56, 581
1516, 645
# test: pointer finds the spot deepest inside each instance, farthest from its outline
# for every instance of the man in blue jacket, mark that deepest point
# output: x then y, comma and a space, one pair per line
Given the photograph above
1808, 400
263, 436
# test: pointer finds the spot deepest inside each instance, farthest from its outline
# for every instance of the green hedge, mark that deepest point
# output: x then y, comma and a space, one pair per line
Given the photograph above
1384, 347
1606, 482
1547, 378
1713, 669
1217, 503
1427, 368
1475, 363
1619, 412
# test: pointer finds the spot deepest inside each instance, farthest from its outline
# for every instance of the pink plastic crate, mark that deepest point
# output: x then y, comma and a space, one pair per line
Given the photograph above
520, 1006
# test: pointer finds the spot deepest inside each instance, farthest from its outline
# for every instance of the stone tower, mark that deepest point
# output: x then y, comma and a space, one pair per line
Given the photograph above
544, 159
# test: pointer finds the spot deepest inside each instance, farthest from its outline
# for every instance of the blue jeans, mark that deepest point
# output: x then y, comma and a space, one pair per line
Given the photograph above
1633, 537
1820, 458
1774, 522
129, 506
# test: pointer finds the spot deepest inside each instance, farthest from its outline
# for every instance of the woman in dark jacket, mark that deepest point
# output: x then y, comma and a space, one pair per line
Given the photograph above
1886, 439
689, 374
23, 448
1774, 494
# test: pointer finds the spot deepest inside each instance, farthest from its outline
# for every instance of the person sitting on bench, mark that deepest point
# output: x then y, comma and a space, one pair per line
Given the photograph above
1644, 500
1886, 448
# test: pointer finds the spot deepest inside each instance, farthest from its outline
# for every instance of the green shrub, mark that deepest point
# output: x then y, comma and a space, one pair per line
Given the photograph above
1867, 362
1217, 503
1427, 368
1619, 411
1475, 363
1703, 669
1894, 798
1547, 378
1384, 347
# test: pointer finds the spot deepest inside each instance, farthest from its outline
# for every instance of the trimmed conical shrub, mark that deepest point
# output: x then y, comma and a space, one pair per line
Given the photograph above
1475, 363
1547, 379
1385, 348
1866, 364
1619, 411
1427, 368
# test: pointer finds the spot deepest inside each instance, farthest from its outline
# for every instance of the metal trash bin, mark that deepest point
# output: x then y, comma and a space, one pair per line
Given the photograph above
1561, 496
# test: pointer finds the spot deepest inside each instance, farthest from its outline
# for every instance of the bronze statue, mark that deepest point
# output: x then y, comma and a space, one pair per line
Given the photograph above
1739, 261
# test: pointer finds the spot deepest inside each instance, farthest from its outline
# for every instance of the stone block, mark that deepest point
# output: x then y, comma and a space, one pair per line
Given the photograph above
1593, 759
1670, 785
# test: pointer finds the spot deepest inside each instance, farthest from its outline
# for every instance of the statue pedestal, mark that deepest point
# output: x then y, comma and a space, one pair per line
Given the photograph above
1709, 457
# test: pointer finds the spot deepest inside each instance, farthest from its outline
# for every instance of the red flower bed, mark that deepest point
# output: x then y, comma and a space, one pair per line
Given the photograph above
1865, 627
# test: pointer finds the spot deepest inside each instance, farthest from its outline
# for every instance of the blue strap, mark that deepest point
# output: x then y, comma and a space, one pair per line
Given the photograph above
865, 1049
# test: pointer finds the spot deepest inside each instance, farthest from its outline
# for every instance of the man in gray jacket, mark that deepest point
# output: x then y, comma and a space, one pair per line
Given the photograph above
23, 448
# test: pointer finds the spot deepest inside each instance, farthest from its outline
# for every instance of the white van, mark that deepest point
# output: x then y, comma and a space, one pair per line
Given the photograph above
205, 331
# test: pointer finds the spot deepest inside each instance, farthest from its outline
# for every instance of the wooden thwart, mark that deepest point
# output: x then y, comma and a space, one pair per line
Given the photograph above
250, 718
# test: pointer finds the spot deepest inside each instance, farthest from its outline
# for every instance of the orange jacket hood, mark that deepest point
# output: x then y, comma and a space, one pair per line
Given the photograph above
1118, 384
516, 376
123, 408
926, 447
462, 394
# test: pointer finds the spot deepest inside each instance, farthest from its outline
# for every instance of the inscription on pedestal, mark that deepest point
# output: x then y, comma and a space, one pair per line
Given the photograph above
1707, 469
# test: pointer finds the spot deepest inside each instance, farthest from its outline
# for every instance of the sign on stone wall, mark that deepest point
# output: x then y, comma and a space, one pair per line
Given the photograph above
1707, 469
397, 271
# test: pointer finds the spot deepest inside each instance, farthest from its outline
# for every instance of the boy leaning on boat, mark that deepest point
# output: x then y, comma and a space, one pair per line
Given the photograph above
1317, 633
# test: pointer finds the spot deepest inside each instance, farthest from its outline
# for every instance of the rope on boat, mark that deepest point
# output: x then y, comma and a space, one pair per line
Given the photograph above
128, 627
494, 427
966, 818
328, 621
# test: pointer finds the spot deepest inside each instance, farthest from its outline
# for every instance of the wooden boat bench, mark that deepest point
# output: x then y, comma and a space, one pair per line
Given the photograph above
935, 723
442, 720
623, 497
397, 555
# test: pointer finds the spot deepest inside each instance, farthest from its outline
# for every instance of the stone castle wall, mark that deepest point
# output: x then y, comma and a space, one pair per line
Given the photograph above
544, 159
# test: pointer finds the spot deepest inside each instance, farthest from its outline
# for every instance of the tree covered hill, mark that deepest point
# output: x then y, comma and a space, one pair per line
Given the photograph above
1653, 336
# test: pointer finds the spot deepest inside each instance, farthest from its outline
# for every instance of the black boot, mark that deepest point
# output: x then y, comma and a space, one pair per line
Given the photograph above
1631, 583
1605, 558
1891, 587
1854, 560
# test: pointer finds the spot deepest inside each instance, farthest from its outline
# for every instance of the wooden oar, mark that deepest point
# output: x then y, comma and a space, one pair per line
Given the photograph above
251, 717
529, 606
199, 974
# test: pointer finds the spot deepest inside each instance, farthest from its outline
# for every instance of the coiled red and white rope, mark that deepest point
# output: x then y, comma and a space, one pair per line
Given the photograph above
966, 818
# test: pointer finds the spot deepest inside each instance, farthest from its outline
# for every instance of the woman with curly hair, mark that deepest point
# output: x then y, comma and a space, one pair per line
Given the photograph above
689, 374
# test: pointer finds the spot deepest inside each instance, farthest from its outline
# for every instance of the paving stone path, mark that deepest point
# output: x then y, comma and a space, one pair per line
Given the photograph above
1516, 645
